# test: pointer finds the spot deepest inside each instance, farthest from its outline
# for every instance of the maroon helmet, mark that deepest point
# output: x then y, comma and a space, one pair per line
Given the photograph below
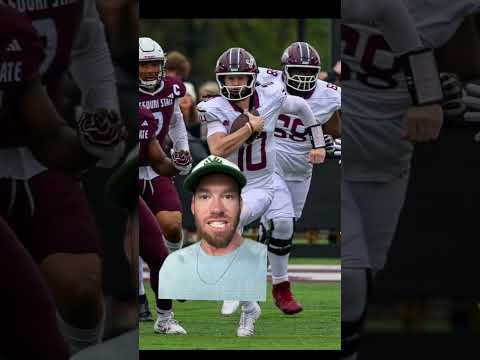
236, 61
301, 56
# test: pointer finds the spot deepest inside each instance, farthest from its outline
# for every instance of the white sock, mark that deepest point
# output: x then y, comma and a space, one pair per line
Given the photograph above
279, 267
248, 306
79, 339
174, 246
282, 231
141, 288
164, 314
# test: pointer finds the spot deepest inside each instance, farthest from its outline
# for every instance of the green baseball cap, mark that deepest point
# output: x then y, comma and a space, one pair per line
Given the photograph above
213, 165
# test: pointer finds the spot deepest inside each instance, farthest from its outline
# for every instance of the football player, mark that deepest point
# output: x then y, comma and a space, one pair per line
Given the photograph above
301, 65
252, 146
32, 129
382, 115
161, 95
153, 248
69, 247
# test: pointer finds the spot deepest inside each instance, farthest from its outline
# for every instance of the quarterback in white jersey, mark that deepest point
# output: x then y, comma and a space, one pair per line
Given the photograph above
236, 73
256, 159
376, 152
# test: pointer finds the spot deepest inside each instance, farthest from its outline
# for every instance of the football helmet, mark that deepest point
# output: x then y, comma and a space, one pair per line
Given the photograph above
236, 61
300, 55
150, 51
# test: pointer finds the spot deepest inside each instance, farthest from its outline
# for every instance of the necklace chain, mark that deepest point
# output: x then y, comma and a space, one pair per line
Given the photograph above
221, 276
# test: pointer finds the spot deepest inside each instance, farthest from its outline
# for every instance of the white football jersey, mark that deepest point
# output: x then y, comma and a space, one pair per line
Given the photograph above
256, 160
376, 95
292, 141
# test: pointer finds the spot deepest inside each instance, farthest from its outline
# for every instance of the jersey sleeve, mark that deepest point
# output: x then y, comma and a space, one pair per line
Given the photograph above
211, 116
91, 64
177, 130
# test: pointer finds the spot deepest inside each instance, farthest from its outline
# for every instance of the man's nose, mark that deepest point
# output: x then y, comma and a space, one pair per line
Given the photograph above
216, 206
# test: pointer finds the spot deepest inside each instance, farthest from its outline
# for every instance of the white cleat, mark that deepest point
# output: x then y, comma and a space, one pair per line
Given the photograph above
247, 322
230, 306
169, 326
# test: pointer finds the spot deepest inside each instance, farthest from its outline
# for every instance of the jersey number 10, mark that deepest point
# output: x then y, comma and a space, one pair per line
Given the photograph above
245, 155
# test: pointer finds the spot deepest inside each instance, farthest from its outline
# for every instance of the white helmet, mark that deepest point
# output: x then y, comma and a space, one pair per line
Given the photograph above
150, 51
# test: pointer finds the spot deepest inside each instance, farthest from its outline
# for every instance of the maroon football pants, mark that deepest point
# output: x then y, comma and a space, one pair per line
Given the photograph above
152, 248
29, 324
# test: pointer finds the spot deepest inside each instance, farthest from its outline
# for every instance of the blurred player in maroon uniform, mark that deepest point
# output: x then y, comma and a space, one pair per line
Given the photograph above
54, 144
48, 209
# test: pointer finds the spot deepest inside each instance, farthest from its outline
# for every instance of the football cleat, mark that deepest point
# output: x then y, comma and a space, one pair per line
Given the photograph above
229, 307
284, 298
144, 313
169, 326
145, 316
247, 322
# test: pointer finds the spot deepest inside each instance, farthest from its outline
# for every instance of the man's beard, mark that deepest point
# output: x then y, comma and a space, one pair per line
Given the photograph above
218, 241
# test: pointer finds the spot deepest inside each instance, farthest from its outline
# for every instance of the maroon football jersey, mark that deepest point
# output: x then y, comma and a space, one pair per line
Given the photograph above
57, 23
21, 54
147, 128
161, 103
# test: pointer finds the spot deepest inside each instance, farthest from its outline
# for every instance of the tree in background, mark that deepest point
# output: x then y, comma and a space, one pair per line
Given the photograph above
203, 40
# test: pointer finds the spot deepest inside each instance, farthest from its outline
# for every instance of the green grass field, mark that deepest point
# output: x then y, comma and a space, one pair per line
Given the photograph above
316, 327
315, 261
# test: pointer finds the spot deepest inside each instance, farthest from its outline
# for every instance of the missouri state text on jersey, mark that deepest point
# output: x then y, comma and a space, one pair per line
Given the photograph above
147, 128
161, 103
20, 48
57, 23
291, 139
256, 160
21, 53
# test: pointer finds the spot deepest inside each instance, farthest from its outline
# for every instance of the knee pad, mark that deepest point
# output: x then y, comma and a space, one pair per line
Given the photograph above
352, 330
280, 236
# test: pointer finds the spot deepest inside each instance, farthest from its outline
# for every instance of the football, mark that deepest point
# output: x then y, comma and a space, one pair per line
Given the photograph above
240, 121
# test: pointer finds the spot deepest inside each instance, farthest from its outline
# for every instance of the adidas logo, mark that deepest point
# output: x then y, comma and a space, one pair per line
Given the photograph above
14, 46
170, 96
145, 123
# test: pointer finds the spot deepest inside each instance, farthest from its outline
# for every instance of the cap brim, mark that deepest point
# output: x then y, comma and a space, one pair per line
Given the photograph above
192, 180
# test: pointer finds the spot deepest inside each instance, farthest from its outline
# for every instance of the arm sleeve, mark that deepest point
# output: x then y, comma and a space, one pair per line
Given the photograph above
391, 16
178, 131
298, 106
91, 66
214, 124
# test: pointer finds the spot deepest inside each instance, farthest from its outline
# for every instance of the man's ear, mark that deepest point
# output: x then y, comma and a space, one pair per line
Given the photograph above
192, 207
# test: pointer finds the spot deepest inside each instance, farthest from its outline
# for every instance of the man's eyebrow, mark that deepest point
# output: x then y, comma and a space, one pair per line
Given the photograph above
201, 189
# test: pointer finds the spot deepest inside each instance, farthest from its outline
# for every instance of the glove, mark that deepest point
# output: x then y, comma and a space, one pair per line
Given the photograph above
460, 103
329, 144
182, 160
102, 134
333, 146
338, 147
471, 98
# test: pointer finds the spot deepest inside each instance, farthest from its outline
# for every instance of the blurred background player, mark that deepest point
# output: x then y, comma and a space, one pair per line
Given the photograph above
152, 243
236, 73
425, 223
161, 94
37, 130
388, 104
301, 65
